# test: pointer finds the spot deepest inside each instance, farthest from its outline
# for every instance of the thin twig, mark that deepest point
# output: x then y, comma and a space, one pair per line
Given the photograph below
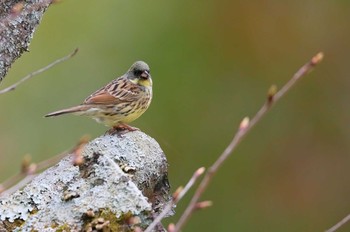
175, 199
244, 128
29, 76
339, 224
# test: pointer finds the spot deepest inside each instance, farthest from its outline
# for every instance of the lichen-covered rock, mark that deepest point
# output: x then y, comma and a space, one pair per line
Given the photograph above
122, 183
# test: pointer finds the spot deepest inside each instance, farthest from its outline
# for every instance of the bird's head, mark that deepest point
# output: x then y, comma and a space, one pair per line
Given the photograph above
139, 74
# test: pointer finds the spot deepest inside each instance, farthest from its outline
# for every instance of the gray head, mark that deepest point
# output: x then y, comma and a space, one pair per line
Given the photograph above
139, 71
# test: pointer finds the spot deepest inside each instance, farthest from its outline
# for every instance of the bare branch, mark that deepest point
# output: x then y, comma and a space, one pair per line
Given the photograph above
29, 76
244, 128
339, 224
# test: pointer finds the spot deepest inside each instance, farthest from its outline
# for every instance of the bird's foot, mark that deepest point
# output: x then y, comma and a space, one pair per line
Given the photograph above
121, 129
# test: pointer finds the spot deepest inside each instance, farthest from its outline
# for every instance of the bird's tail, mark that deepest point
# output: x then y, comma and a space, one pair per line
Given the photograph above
74, 109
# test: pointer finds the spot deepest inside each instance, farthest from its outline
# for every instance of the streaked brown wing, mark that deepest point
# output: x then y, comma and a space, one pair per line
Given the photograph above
118, 91
102, 98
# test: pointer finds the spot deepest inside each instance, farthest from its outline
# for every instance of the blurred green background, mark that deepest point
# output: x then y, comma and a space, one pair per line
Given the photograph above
212, 63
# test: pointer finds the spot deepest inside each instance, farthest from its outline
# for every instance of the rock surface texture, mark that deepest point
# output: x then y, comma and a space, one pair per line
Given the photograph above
122, 184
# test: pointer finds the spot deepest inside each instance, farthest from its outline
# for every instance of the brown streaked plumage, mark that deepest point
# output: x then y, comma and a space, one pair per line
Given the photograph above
120, 102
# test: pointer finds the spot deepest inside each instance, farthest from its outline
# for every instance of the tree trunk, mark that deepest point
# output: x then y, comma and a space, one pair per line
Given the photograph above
18, 21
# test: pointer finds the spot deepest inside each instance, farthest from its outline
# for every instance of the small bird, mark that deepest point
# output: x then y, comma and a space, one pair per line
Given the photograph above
119, 102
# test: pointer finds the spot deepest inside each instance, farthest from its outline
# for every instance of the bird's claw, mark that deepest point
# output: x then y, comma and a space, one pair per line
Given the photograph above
121, 129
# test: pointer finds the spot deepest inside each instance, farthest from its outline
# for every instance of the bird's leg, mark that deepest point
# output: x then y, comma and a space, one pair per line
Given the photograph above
125, 127
121, 128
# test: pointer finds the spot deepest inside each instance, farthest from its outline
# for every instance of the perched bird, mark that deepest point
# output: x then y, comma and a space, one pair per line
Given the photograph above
120, 102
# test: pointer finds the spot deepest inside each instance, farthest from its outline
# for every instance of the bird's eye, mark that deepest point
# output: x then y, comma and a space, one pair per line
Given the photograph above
137, 72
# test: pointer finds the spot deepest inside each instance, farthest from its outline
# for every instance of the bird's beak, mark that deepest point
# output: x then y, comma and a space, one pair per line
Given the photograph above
145, 74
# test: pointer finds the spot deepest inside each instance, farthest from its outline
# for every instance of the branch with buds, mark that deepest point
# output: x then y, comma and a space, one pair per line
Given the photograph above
245, 126
273, 95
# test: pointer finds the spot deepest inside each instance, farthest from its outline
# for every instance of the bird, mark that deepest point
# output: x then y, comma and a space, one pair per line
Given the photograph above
120, 102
